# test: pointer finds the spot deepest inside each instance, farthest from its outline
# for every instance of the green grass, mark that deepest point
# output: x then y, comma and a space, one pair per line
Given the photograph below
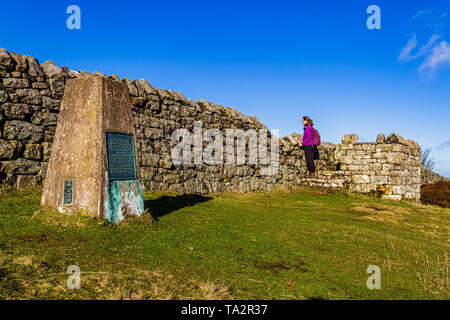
299, 244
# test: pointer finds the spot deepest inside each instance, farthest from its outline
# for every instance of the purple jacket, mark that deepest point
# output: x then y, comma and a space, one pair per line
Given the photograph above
307, 137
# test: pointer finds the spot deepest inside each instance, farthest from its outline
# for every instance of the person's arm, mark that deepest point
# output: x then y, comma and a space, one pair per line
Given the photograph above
307, 136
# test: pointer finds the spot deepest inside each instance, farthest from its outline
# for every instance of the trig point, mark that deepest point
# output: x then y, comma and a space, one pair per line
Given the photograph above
93, 166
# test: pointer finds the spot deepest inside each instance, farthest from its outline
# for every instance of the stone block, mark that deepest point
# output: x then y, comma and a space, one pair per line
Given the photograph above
376, 179
350, 138
368, 147
392, 197
24, 181
395, 138
366, 188
15, 83
17, 110
20, 166
5, 60
397, 190
381, 138
395, 157
33, 151
30, 96
395, 178
9, 148
359, 179
23, 131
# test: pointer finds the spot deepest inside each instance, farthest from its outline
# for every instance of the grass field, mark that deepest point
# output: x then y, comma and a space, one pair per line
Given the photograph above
299, 244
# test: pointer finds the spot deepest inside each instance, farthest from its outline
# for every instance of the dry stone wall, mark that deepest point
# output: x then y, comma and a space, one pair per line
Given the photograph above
430, 177
389, 166
30, 99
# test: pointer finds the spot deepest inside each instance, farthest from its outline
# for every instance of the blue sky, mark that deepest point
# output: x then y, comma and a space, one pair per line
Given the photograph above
277, 60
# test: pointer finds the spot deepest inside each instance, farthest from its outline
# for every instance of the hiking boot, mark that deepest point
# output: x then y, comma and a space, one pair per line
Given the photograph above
311, 175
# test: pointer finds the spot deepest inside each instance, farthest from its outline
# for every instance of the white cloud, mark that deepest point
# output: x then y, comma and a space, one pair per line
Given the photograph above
439, 58
420, 13
426, 48
434, 55
444, 145
405, 54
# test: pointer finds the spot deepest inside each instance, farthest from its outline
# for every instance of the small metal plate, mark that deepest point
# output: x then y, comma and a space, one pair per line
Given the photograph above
68, 192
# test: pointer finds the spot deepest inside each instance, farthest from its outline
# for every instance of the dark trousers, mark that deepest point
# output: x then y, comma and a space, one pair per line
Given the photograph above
309, 154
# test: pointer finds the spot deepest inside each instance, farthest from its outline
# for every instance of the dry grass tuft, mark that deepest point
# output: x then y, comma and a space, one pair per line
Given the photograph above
435, 275
212, 291
378, 213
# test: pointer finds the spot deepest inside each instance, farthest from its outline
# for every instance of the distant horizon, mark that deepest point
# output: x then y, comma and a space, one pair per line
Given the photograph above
276, 61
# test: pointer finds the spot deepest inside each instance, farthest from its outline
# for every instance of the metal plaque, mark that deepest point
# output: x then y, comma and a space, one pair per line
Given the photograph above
68, 192
120, 156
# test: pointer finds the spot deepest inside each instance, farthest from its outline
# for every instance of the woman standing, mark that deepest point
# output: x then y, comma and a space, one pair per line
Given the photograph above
308, 146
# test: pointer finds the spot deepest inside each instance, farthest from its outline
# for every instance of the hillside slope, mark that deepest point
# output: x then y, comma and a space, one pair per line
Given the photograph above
299, 244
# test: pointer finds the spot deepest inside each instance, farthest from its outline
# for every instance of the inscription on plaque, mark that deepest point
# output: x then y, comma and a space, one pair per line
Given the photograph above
120, 156
68, 192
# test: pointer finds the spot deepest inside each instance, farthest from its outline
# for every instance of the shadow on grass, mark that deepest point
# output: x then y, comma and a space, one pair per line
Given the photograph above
168, 204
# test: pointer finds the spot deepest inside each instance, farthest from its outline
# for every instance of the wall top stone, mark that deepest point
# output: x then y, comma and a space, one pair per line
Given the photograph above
52, 70
350, 138
5, 59
381, 138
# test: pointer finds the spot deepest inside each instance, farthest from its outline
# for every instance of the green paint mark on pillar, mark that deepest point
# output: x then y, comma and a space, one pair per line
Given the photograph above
124, 198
